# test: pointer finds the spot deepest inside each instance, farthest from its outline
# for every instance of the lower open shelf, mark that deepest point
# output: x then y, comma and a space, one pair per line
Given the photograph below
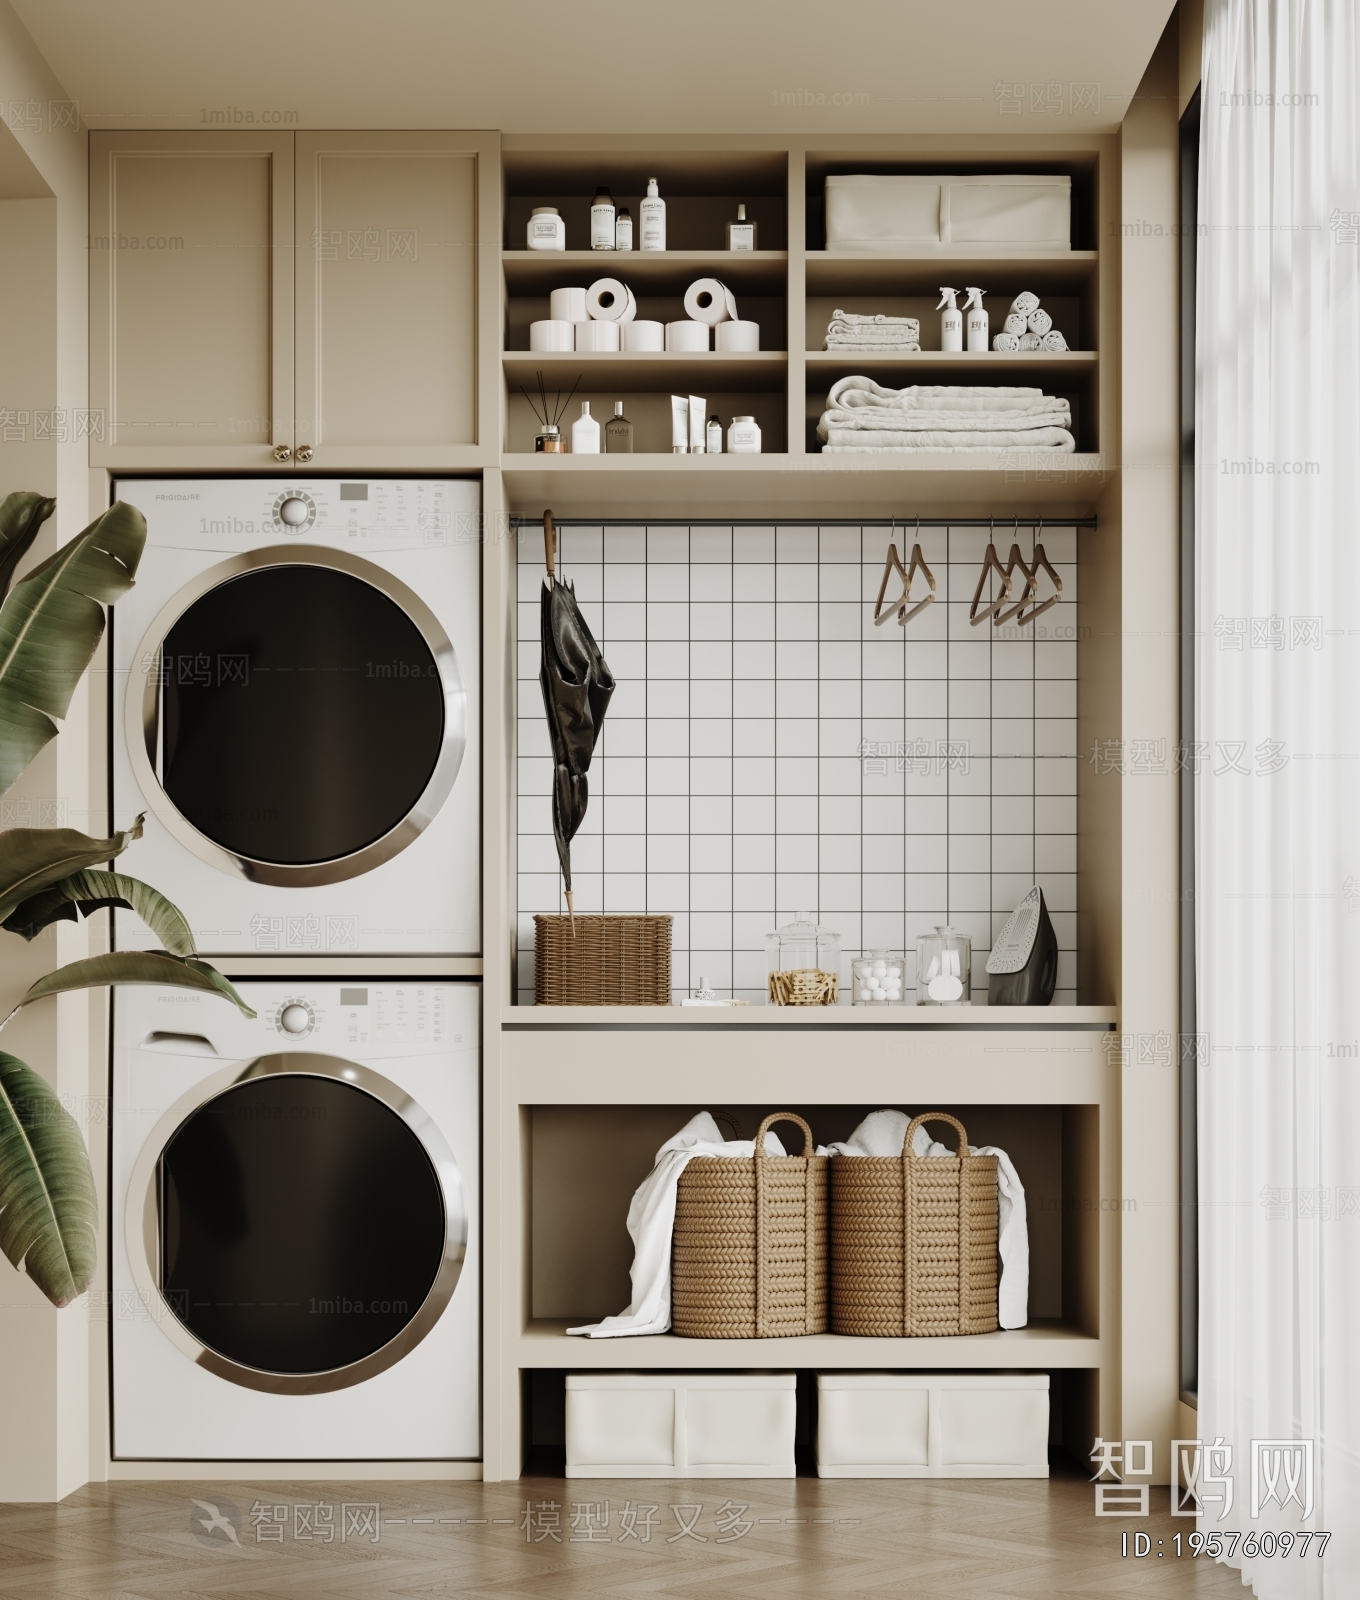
1040, 1346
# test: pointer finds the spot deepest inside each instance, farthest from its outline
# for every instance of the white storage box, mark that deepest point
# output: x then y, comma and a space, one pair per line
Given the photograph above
932, 1425
867, 212
680, 1425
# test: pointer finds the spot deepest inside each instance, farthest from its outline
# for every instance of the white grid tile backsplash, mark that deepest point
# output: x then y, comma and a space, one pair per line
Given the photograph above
769, 751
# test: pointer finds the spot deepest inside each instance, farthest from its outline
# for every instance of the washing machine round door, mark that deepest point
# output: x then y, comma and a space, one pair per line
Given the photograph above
300, 716
303, 1222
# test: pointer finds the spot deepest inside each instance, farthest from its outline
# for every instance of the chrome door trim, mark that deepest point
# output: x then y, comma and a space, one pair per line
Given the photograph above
141, 1230
141, 719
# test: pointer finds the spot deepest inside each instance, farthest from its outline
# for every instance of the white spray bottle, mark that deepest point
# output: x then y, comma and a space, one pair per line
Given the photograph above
976, 320
951, 323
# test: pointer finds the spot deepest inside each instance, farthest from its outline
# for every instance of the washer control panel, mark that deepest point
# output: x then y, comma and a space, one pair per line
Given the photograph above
392, 1014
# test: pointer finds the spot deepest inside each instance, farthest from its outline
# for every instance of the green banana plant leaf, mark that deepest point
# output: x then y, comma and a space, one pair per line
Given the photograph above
31, 859
21, 516
135, 966
86, 892
48, 1211
50, 626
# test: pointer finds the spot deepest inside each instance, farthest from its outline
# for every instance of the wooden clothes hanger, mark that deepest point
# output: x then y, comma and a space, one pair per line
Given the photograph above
1041, 561
1014, 560
991, 562
917, 564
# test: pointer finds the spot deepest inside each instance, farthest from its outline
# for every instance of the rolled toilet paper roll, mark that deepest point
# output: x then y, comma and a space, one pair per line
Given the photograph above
737, 335
568, 305
643, 335
608, 300
597, 335
688, 335
554, 334
708, 301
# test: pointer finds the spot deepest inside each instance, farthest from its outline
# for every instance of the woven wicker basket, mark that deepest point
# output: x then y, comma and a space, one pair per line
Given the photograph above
602, 961
749, 1256
914, 1241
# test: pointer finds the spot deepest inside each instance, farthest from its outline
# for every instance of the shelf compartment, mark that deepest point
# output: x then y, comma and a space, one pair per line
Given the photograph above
1006, 366
1040, 1346
536, 272
647, 371
854, 272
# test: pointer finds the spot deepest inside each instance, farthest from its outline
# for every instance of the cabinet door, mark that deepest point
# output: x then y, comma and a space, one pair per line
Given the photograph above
387, 297
191, 298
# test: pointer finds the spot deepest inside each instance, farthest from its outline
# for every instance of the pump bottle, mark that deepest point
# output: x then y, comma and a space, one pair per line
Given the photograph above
951, 323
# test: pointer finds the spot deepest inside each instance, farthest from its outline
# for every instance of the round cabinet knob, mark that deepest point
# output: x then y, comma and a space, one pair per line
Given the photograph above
282, 453
293, 511
295, 1019
304, 452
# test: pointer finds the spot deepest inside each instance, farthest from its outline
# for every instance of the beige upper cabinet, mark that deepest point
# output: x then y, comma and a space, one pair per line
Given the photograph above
191, 298
264, 300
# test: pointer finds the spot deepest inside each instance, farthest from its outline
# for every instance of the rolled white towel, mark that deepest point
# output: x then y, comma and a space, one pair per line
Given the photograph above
1028, 341
1040, 322
1017, 324
1024, 303
1053, 341
1006, 341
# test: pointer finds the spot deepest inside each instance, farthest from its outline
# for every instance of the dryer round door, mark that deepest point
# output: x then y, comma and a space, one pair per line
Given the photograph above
299, 1223
296, 716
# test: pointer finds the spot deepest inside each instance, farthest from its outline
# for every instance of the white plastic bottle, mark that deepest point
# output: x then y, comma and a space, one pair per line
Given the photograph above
743, 437
951, 323
602, 220
585, 433
976, 320
652, 219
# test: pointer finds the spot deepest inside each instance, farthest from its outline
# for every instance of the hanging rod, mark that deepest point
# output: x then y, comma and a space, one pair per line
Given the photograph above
904, 520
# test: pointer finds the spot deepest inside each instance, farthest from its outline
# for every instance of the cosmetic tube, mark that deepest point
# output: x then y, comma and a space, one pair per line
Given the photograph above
679, 425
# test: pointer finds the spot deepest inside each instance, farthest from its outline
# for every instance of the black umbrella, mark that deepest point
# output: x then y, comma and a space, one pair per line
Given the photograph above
577, 686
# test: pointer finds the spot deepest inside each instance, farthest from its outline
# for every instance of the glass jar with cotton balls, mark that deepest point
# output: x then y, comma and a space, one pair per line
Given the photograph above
878, 979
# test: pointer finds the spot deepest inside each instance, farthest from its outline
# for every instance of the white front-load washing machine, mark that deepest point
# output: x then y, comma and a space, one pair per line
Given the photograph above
296, 695
294, 1220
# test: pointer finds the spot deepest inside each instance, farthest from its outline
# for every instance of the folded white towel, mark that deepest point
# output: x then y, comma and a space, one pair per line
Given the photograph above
1006, 341
1024, 303
882, 1133
887, 339
651, 1223
1039, 322
1037, 440
859, 393
855, 319
1053, 341
1016, 324
1029, 341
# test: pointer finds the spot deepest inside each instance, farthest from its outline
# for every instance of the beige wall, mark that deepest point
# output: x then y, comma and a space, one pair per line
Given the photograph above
52, 1416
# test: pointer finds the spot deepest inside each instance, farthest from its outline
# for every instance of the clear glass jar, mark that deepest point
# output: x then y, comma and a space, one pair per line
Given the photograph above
804, 964
878, 979
944, 968
549, 441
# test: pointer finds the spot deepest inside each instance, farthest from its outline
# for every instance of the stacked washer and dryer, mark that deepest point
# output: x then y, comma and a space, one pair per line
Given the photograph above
295, 1198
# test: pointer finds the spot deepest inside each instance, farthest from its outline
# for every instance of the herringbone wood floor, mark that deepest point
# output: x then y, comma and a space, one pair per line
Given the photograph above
871, 1540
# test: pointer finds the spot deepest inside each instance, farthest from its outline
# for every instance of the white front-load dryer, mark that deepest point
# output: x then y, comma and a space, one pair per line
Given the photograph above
296, 695
294, 1218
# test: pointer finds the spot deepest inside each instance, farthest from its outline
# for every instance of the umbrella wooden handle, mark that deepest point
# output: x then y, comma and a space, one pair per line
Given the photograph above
550, 544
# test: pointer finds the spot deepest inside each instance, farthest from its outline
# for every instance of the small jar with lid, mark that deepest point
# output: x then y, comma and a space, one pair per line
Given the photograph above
549, 440
547, 229
743, 437
878, 979
944, 968
804, 964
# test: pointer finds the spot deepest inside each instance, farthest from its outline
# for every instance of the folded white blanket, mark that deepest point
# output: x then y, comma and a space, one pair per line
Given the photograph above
651, 1223
1024, 303
1039, 321
1057, 440
882, 1133
1006, 341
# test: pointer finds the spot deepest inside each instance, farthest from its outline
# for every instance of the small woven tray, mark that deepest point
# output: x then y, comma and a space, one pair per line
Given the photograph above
602, 961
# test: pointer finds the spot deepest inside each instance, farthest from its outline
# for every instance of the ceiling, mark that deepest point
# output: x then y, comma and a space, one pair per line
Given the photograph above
601, 66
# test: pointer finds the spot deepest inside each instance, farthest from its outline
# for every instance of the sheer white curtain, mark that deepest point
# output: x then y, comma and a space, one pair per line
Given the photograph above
1278, 827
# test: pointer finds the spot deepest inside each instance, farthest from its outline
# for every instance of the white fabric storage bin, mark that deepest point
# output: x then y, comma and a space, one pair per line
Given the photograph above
869, 212
932, 1425
680, 1425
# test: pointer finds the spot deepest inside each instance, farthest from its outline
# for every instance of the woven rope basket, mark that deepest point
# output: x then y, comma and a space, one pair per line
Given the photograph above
602, 961
914, 1242
749, 1258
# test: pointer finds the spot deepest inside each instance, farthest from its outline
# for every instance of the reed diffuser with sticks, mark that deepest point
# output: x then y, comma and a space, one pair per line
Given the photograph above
549, 440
